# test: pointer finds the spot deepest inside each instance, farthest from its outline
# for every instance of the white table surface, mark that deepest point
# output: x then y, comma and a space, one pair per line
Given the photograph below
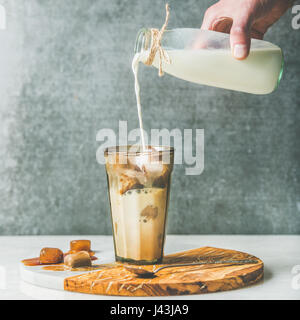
280, 253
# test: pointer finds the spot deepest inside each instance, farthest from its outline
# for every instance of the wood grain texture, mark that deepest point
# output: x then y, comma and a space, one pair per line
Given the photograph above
114, 279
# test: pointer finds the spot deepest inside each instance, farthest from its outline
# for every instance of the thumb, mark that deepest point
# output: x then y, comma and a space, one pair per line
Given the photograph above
240, 39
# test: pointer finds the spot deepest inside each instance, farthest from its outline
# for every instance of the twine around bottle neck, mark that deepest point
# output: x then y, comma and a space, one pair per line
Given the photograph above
156, 37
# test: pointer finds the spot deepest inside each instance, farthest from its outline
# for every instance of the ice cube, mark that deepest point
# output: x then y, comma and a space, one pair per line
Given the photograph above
149, 212
129, 183
80, 245
162, 180
78, 259
51, 255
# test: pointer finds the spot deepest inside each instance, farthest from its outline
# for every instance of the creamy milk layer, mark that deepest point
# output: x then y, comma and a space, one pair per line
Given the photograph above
139, 222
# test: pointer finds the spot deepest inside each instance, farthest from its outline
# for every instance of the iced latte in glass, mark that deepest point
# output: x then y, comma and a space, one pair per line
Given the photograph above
139, 188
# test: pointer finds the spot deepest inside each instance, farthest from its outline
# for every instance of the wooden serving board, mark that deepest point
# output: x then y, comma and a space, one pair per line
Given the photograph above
114, 279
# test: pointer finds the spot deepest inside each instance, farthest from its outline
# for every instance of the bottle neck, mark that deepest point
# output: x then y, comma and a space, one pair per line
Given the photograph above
143, 40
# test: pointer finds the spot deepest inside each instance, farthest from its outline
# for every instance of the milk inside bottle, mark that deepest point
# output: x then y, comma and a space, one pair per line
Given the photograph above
204, 57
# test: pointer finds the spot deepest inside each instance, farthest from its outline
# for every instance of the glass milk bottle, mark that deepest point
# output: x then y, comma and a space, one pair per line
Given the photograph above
204, 57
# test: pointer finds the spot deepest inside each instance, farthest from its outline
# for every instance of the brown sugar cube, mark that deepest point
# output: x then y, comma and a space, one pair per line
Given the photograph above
51, 255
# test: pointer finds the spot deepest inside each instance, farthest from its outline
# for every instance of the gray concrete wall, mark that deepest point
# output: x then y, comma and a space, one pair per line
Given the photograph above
65, 73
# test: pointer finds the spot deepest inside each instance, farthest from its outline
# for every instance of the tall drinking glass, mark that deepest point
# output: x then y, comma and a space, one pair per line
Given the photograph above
139, 187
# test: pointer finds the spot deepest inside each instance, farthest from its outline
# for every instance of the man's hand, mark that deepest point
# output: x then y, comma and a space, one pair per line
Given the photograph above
244, 19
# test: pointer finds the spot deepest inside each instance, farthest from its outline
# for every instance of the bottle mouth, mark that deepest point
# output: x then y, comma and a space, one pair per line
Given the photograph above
142, 41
